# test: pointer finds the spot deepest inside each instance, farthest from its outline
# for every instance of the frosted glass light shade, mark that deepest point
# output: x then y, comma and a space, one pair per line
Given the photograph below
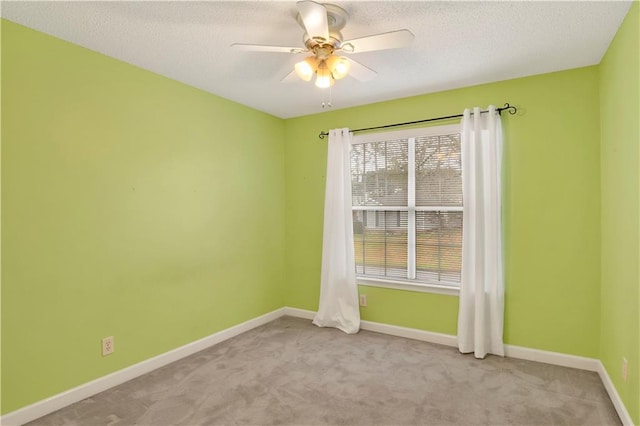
324, 78
305, 69
339, 66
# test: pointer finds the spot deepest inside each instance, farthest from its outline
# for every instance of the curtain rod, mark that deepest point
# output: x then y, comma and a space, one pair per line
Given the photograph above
511, 109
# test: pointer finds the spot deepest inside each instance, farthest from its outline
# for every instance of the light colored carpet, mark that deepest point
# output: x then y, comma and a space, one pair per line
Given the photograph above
289, 372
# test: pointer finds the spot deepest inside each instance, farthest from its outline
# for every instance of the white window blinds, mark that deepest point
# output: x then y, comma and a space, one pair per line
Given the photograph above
407, 205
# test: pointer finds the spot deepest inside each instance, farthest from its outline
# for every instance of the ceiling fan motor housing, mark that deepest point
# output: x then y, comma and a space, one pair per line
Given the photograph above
316, 43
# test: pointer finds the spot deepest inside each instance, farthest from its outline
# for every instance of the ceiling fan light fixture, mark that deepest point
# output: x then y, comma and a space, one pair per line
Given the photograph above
305, 69
324, 82
324, 78
339, 66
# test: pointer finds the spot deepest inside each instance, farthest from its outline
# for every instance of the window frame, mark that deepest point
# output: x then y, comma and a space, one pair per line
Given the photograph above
410, 135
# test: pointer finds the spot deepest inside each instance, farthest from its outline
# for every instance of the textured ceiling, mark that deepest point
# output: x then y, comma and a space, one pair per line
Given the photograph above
457, 44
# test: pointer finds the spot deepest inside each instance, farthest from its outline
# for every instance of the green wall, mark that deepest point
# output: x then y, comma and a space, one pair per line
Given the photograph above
133, 206
620, 164
127, 211
552, 210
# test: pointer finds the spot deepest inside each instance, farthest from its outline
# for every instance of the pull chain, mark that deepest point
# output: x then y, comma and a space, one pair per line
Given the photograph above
324, 102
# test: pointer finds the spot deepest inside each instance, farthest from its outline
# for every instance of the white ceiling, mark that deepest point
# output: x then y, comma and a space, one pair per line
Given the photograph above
457, 44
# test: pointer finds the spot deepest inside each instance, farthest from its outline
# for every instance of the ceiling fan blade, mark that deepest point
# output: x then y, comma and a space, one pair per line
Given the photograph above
390, 40
361, 72
314, 17
292, 76
266, 48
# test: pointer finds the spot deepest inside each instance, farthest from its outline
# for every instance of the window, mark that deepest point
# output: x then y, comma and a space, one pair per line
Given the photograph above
407, 206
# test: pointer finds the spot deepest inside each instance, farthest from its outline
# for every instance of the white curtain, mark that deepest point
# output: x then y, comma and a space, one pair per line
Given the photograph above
338, 290
481, 311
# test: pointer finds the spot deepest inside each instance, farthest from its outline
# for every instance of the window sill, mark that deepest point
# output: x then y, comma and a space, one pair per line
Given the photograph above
401, 285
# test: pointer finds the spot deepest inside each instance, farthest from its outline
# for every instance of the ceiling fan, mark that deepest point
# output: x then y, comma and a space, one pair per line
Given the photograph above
323, 40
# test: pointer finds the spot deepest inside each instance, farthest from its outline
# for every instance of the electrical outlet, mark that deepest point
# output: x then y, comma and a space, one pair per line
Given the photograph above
363, 300
624, 369
107, 346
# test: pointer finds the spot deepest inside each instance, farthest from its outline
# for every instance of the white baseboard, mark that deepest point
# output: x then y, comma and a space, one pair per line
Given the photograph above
393, 330
624, 415
299, 313
410, 333
555, 358
56, 402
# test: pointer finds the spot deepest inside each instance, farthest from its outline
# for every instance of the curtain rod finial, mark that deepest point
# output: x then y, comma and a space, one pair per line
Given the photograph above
323, 134
511, 109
